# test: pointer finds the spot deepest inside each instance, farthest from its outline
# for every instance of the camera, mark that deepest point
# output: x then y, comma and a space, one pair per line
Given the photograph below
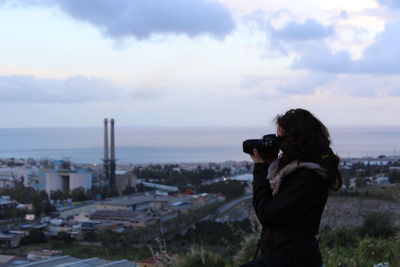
268, 145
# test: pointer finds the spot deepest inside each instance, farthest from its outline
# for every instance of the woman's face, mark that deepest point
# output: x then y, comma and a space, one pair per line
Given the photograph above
279, 131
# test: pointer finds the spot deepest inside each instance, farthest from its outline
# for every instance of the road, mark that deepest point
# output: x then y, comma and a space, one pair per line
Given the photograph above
231, 204
225, 207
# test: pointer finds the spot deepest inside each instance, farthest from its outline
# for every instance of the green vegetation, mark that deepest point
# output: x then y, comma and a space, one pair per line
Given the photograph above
27, 195
110, 253
201, 257
170, 175
373, 242
164, 230
80, 194
365, 252
230, 189
35, 237
394, 177
210, 243
377, 240
213, 235
371, 192
12, 214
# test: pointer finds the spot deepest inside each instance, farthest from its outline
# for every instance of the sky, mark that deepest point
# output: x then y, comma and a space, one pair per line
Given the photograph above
66, 63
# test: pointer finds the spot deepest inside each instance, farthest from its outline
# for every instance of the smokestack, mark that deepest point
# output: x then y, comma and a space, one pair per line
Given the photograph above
112, 155
105, 158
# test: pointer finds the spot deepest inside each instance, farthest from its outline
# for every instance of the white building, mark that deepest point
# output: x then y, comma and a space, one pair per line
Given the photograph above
9, 176
66, 180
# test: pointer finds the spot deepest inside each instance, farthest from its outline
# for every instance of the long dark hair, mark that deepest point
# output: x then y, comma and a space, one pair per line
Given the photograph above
305, 138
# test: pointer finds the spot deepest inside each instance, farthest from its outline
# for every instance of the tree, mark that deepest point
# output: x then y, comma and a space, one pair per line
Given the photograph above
12, 213
35, 236
141, 188
394, 177
37, 205
65, 238
378, 225
59, 195
206, 174
230, 189
129, 190
360, 182
41, 204
78, 195
346, 181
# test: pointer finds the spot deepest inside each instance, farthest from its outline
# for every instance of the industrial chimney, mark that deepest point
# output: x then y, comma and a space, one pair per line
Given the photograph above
112, 156
106, 162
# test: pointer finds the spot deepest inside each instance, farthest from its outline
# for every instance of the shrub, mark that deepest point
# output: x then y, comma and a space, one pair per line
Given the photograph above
35, 236
343, 236
246, 253
377, 250
378, 225
200, 257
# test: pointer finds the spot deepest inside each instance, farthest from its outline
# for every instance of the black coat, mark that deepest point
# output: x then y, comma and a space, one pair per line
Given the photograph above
291, 217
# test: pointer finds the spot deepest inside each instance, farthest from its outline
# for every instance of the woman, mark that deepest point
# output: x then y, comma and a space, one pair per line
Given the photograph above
290, 192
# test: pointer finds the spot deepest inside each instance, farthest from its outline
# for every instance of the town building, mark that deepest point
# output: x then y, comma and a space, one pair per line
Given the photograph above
64, 179
9, 241
124, 180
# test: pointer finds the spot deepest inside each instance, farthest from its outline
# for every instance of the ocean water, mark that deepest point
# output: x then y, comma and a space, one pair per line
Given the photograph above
177, 144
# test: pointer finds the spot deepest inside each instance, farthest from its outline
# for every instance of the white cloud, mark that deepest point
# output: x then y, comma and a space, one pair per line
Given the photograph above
308, 30
390, 3
318, 57
140, 19
382, 57
74, 89
29, 89
365, 85
282, 86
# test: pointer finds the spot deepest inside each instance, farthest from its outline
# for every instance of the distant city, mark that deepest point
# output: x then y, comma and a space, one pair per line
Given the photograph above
44, 200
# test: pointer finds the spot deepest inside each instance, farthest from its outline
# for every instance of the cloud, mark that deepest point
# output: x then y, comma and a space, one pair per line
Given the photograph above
382, 57
313, 83
75, 89
309, 44
390, 3
148, 94
309, 30
281, 86
365, 85
141, 18
305, 84
318, 57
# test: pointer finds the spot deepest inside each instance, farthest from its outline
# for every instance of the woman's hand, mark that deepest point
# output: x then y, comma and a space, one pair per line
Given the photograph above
256, 157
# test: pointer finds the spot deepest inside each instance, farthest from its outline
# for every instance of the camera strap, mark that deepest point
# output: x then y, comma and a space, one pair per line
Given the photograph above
257, 249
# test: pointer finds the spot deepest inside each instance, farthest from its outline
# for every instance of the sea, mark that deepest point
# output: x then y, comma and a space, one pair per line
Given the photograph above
141, 145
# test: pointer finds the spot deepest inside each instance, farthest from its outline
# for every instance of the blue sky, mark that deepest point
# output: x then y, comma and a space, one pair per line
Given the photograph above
198, 62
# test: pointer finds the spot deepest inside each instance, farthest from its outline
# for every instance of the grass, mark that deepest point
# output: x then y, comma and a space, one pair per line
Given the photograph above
385, 192
108, 253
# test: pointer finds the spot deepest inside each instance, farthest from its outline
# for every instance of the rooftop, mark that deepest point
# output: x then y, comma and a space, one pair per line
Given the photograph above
75, 262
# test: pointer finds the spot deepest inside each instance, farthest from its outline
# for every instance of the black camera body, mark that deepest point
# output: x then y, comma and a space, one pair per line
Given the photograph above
269, 145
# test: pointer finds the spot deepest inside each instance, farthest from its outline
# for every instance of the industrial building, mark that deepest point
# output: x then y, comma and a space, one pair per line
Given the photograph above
6, 203
124, 179
10, 176
64, 179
